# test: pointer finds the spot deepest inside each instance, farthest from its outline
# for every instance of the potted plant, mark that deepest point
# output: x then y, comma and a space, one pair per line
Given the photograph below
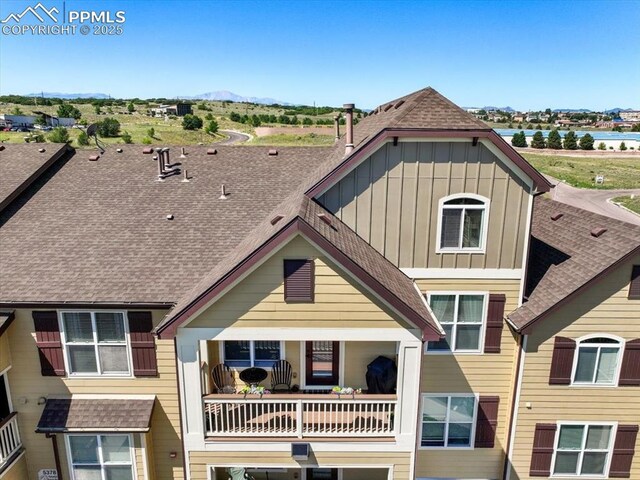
254, 390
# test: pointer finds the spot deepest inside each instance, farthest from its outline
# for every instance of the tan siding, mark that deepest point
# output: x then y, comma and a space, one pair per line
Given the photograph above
5, 352
198, 461
487, 374
17, 471
605, 309
258, 300
391, 200
28, 385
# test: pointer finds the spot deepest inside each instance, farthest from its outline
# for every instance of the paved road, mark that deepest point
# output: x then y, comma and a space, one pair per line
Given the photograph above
594, 200
234, 137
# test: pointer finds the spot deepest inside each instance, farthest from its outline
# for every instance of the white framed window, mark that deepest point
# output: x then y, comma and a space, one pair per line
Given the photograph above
462, 223
100, 457
462, 316
252, 353
583, 449
597, 361
448, 420
96, 343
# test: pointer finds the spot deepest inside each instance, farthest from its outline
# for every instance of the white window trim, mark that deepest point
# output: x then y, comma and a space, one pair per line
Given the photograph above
485, 223
612, 437
132, 450
483, 326
616, 375
473, 425
223, 358
63, 339
303, 368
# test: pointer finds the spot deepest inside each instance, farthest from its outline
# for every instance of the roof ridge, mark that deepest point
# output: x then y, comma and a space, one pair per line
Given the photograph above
415, 102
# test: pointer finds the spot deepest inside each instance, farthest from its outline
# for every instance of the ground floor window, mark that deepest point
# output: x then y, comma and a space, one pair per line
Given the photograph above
582, 450
100, 457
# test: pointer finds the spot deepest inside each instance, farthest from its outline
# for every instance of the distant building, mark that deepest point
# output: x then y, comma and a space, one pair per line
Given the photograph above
630, 116
7, 120
179, 109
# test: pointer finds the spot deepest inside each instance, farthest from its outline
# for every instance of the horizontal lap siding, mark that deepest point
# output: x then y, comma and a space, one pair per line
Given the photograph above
17, 471
391, 200
604, 308
487, 374
198, 461
258, 300
27, 383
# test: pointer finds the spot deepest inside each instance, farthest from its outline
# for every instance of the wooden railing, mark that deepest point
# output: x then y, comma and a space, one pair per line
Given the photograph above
281, 415
10, 441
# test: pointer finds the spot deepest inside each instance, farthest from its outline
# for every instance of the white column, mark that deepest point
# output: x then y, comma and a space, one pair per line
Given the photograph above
190, 391
409, 359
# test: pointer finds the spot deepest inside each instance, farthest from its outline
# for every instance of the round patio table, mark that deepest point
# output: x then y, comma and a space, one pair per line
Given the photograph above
253, 375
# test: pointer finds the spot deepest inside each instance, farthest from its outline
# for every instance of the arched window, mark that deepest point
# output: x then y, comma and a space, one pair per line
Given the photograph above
462, 224
597, 361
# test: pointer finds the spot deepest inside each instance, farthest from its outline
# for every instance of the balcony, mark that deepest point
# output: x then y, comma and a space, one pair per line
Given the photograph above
10, 443
300, 416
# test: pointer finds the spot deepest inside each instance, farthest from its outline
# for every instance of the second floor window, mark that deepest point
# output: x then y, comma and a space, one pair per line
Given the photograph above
252, 353
462, 318
462, 223
447, 421
96, 343
597, 361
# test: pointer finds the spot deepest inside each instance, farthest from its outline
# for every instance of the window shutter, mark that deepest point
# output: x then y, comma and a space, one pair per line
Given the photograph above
543, 441
143, 346
487, 421
298, 280
630, 368
623, 450
49, 343
562, 361
495, 321
634, 287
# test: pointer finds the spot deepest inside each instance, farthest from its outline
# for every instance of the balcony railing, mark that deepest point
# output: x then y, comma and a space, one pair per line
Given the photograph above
10, 441
282, 415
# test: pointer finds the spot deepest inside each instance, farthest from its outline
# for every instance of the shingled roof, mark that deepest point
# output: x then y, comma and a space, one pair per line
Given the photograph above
570, 248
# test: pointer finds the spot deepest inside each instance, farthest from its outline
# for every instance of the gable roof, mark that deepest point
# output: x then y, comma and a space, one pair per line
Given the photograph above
300, 214
565, 257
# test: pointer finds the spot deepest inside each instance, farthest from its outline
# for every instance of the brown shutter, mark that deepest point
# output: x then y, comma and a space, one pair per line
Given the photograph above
49, 343
143, 346
487, 421
634, 287
543, 441
630, 369
495, 321
623, 450
562, 361
298, 280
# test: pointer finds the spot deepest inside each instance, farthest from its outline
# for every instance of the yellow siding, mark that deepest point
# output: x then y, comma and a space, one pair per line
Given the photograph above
603, 308
5, 353
258, 300
487, 374
391, 200
28, 385
198, 461
17, 471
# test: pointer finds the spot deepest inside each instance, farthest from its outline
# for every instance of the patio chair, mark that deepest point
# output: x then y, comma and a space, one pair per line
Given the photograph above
281, 375
238, 473
223, 379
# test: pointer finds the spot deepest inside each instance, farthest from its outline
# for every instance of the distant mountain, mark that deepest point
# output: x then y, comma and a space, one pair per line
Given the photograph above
618, 110
572, 110
493, 109
225, 95
67, 95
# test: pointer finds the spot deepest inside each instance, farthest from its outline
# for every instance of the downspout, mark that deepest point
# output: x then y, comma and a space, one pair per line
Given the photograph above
56, 456
513, 421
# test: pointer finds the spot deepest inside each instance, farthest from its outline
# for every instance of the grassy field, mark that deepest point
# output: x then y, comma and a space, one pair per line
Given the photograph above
581, 171
632, 204
282, 139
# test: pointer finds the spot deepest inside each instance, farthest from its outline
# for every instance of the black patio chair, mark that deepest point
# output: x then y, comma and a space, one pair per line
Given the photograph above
223, 379
281, 375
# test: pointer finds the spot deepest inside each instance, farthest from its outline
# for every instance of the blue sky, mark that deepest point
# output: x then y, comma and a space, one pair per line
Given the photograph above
525, 54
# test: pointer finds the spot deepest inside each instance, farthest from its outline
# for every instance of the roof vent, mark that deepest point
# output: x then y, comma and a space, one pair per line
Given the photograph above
276, 219
183, 153
212, 151
93, 158
119, 150
399, 104
388, 107
2, 147
273, 152
223, 193
170, 217
147, 150
596, 232
557, 216
41, 150
185, 175
324, 218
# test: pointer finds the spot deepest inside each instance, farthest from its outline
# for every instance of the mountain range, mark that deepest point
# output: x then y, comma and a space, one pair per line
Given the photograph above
225, 95
67, 95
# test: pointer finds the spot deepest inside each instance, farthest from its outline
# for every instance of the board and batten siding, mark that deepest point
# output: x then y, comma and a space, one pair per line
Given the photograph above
5, 351
28, 385
258, 300
400, 461
482, 374
601, 309
392, 198
17, 471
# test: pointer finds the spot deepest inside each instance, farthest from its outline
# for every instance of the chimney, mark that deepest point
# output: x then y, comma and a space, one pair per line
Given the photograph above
165, 156
348, 108
336, 120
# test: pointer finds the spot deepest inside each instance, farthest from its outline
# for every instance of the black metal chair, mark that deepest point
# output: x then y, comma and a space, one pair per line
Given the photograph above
281, 374
223, 379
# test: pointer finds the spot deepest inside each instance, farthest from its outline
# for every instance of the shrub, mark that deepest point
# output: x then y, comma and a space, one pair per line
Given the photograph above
146, 141
538, 127
519, 140
131, 108
212, 127
83, 138
191, 122
530, 126
510, 125
586, 142
151, 133
554, 140
570, 141
538, 140
59, 135
109, 127
208, 116
602, 146
126, 137
623, 146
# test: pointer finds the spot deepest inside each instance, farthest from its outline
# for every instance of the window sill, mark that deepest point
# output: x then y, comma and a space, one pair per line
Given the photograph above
461, 250
445, 448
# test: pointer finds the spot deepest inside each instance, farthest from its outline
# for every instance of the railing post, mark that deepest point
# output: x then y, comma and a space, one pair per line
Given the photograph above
299, 417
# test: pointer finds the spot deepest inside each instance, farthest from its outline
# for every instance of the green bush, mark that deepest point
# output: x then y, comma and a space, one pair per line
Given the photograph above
554, 140
586, 142
602, 146
109, 127
151, 133
146, 141
59, 135
570, 141
83, 138
538, 140
191, 122
519, 140
212, 127
126, 137
623, 146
